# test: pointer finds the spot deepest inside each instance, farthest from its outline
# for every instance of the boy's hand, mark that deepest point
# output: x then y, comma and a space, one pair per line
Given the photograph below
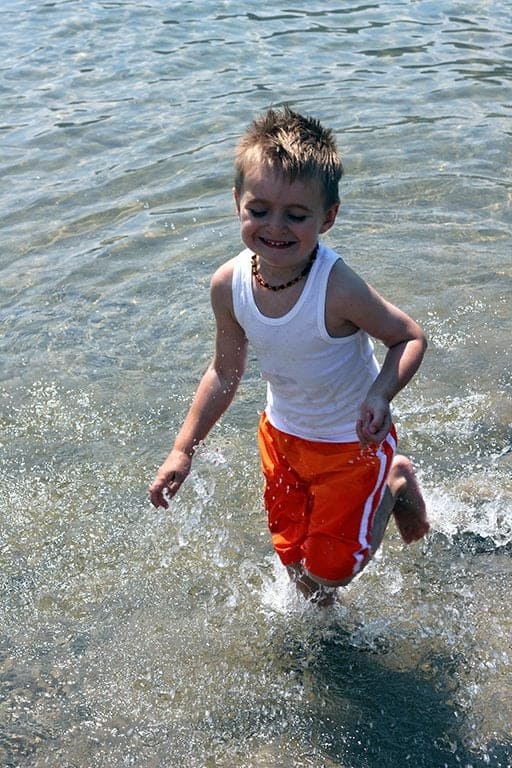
169, 478
375, 421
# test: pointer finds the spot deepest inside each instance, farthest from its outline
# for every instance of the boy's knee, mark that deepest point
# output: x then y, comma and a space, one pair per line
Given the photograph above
339, 575
341, 582
333, 563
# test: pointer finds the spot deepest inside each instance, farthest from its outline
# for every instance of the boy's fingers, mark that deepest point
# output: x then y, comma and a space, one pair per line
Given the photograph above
380, 435
359, 431
157, 494
157, 499
370, 432
163, 490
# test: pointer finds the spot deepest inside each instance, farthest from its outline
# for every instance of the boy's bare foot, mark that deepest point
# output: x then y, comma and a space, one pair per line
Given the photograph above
409, 509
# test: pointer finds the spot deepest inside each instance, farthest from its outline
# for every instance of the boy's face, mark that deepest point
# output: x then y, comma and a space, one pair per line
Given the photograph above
280, 220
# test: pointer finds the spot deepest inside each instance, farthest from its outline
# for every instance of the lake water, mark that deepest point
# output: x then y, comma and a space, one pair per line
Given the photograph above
158, 639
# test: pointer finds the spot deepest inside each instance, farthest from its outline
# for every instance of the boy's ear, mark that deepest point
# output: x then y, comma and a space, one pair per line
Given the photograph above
236, 198
330, 217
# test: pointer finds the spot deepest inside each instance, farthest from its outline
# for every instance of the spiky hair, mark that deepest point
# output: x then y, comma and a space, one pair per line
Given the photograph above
295, 145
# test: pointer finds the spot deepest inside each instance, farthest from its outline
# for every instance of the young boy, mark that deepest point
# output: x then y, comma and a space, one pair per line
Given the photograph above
326, 438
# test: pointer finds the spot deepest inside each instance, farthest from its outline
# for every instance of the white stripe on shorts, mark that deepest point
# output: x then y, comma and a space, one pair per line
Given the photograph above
378, 492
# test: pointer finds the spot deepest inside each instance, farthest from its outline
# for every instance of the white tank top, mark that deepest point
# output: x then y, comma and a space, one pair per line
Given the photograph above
315, 383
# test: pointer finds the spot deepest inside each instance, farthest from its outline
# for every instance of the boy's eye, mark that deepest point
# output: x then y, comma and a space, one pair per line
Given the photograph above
259, 213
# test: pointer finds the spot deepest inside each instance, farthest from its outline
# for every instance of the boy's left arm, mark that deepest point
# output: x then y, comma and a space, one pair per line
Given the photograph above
364, 308
400, 364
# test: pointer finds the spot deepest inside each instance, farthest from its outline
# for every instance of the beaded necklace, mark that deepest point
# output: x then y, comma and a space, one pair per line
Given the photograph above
264, 284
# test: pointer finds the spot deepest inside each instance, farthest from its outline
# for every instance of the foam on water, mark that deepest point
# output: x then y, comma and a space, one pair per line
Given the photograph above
118, 615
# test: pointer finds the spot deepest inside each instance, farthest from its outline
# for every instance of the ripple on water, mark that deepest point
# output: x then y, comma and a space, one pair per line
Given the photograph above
164, 638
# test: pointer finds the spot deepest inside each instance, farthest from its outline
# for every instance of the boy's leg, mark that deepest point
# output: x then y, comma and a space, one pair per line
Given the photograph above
312, 590
284, 492
409, 508
403, 499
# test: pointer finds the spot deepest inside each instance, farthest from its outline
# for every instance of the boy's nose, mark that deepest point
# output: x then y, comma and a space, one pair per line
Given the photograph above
277, 223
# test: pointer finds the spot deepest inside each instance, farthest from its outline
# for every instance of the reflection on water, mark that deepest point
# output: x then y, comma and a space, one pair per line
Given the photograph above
135, 637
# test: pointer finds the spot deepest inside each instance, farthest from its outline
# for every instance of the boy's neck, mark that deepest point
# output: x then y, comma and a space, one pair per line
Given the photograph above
282, 286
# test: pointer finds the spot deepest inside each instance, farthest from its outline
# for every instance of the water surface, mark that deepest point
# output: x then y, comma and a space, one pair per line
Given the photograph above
136, 637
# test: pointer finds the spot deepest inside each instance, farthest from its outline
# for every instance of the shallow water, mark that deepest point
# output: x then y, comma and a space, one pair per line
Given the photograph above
131, 636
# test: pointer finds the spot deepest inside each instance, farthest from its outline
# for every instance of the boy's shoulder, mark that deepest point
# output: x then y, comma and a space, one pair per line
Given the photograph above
347, 295
343, 278
224, 273
222, 281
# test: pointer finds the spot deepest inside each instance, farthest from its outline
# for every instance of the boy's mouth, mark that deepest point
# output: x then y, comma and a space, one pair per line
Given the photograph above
276, 243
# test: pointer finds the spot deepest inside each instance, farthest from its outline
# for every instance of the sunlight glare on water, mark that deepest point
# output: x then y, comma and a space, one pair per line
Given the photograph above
134, 636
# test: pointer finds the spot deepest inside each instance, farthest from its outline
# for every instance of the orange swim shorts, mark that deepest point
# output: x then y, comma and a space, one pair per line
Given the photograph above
321, 499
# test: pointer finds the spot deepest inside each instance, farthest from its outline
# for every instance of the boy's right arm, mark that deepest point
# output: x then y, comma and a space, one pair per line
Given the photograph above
214, 393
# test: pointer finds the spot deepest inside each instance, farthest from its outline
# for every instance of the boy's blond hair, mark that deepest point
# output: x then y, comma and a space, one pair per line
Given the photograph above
295, 145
